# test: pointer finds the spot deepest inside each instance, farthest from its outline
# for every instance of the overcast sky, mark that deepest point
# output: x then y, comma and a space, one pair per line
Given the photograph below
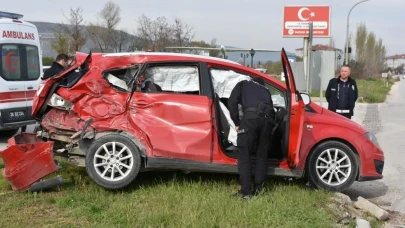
240, 23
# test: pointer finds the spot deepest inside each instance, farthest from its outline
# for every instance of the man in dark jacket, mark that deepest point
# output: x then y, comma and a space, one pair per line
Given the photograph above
254, 132
60, 64
342, 93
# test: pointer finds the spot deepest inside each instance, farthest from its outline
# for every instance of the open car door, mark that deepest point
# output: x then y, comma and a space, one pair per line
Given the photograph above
296, 111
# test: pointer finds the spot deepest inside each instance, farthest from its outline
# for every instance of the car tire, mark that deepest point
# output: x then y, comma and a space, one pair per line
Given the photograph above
326, 171
8, 133
113, 168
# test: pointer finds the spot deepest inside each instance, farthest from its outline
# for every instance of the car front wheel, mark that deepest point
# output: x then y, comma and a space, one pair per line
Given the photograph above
332, 166
113, 161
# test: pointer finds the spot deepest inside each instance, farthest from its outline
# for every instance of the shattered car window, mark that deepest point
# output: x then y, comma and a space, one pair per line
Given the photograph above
121, 78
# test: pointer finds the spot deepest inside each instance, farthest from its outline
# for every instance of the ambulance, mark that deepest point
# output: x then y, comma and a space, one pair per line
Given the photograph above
20, 72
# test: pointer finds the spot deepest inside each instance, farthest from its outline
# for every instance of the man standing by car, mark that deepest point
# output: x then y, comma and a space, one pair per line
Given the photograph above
254, 132
61, 63
342, 93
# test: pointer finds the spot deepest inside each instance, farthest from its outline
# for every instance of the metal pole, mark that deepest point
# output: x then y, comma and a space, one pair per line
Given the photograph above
347, 33
310, 64
305, 60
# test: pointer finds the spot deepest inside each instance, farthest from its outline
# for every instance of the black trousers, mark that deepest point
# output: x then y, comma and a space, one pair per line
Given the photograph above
254, 136
346, 115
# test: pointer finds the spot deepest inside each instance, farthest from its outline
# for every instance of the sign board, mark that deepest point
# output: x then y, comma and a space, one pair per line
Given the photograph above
282, 76
296, 21
384, 75
292, 59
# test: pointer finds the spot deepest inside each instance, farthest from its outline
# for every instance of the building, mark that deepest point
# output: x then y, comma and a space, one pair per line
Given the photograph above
339, 54
395, 61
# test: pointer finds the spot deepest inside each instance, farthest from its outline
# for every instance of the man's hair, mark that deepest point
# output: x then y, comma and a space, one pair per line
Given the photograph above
62, 57
346, 65
259, 80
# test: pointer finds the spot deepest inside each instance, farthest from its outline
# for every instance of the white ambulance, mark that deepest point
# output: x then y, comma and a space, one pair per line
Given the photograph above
20, 72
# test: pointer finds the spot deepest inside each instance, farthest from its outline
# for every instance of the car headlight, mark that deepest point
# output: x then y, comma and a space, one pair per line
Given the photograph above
59, 102
372, 138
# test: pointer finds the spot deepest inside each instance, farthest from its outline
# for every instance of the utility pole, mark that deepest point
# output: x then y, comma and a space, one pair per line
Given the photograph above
347, 33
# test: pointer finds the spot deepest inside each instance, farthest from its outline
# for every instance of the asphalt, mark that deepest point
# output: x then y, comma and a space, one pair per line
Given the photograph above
387, 121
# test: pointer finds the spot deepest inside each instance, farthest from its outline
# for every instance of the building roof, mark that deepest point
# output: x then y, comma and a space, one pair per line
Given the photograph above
321, 47
398, 56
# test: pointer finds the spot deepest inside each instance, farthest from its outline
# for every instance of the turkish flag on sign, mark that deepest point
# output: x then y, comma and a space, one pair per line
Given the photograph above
296, 19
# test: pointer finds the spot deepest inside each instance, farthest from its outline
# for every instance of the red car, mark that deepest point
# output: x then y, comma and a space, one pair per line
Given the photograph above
119, 114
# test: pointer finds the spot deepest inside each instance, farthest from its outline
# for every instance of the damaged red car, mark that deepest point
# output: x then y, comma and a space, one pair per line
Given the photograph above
124, 113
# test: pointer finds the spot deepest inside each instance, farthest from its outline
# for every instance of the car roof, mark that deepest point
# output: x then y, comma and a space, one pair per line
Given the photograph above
173, 56
142, 57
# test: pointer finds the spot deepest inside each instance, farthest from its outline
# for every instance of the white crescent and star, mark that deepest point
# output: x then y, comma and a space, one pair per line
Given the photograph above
312, 14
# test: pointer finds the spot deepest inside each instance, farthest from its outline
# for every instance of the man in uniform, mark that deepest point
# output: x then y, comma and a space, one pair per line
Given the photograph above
254, 132
342, 93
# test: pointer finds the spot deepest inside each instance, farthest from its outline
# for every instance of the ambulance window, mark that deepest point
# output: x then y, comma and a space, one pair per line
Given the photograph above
10, 62
32, 62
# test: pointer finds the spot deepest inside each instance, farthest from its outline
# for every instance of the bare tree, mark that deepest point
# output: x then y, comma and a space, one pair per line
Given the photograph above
109, 16
75, 29
60, 42
183, 33
370, 53
214, 45
159, 33
120, 40
370, 59
361, 39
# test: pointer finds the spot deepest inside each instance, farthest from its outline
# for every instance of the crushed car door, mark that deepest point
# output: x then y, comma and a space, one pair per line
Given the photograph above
170, 109
296, 111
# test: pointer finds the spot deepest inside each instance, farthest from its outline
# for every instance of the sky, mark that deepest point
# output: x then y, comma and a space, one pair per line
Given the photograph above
238, 23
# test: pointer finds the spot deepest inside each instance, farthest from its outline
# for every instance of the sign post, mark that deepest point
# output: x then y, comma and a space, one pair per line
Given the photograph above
306, 22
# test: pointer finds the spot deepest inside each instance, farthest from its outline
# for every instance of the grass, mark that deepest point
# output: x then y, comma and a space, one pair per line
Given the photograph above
371, 90
165, 199
374, 90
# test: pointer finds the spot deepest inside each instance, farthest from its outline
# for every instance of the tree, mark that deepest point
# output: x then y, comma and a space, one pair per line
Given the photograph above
120, 40
370, 53
399, 69
156, 34
183, 33
75, 29
60, 42
109, 17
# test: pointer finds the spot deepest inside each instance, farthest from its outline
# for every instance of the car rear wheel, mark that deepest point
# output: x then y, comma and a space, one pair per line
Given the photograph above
332, 166
113, 161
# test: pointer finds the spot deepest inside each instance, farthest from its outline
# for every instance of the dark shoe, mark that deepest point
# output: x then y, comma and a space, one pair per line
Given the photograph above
238, 194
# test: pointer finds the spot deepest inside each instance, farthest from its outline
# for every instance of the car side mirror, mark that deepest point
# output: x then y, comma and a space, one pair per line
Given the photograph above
306, 98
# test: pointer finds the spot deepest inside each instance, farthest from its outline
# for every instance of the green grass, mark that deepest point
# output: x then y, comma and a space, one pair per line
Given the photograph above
373, 90
165, 199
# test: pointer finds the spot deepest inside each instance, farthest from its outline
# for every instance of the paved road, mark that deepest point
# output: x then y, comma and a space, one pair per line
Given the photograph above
387, 122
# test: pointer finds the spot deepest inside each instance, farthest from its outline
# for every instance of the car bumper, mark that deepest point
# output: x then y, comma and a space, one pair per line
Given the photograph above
27, 160
371, 160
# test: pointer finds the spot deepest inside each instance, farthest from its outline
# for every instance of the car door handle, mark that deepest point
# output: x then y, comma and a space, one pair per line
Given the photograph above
30, 87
